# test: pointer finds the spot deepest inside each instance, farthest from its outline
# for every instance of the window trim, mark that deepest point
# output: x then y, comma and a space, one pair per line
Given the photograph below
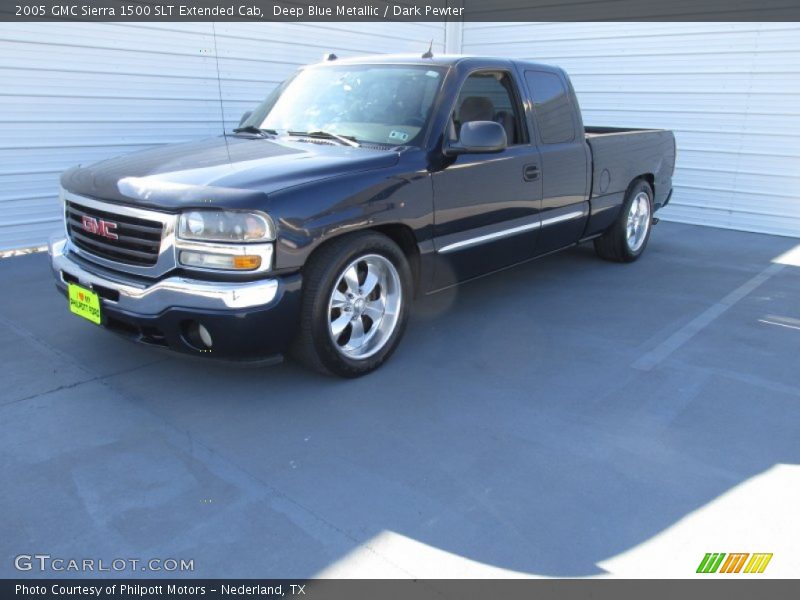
536, 122
520, 112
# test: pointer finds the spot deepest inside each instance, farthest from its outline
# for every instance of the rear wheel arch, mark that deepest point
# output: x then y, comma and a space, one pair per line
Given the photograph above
614, 244
649, 178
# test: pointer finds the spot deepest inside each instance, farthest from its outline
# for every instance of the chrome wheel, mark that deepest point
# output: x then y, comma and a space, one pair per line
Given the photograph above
364, 306
638, 222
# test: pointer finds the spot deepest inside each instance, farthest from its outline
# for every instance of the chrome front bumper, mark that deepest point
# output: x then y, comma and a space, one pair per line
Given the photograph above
167, 293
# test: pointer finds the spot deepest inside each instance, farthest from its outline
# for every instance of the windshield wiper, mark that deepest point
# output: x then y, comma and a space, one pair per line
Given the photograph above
347, 140
256, 130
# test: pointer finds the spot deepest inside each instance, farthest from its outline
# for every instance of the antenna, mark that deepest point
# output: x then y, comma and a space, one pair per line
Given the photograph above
329, 56
429, 53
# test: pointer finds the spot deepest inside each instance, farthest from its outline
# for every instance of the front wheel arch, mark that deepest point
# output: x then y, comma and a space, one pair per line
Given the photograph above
400, 233
313, 345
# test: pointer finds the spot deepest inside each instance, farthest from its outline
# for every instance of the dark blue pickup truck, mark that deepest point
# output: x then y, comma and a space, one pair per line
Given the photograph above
356, 185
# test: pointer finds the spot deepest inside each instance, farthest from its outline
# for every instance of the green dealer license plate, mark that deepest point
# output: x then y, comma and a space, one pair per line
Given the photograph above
84, 303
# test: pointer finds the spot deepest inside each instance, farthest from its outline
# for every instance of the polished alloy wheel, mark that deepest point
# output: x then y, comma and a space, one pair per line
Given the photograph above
638, 222
364, 306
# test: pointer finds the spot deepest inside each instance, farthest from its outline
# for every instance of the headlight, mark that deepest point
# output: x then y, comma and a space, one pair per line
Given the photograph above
225, 226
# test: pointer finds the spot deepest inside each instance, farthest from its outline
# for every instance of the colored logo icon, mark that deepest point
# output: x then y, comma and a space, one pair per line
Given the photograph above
737, 562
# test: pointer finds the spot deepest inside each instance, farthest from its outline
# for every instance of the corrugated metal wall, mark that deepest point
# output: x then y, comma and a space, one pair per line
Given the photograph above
730, 91
76, 93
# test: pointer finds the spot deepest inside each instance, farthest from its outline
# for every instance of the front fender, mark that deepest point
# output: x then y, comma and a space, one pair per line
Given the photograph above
314, 213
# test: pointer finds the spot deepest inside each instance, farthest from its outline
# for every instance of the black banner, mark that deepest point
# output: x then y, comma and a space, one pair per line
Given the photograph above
400, 10
328, 589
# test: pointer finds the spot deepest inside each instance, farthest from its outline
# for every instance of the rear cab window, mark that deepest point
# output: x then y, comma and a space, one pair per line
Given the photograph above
552, 107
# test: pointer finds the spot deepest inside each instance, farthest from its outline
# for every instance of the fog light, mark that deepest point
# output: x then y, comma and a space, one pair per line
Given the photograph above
205, 336
231, 262
197, 335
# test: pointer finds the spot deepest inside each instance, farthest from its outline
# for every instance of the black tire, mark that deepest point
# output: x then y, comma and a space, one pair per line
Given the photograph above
613, 244
313, 346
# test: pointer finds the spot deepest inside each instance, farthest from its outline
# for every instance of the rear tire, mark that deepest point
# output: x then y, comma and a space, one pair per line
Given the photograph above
356, 292
627, 238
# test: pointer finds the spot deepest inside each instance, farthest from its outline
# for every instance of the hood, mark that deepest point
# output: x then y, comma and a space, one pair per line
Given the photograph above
230, 172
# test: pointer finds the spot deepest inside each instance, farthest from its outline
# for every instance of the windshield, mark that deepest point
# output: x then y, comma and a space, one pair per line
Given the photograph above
381, 104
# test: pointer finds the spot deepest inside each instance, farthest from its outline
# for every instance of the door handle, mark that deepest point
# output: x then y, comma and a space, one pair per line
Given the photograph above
530, 173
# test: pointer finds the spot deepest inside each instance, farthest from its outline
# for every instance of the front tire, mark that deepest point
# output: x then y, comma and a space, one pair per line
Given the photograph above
627, 238
356, 292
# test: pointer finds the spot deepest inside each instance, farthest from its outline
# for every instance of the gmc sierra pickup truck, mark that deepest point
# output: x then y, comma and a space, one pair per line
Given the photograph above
356, 185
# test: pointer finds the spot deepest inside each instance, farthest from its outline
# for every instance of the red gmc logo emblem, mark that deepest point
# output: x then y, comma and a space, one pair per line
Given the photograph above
99, 227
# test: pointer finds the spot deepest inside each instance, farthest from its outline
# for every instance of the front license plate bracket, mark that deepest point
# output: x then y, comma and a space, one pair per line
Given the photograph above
84, 303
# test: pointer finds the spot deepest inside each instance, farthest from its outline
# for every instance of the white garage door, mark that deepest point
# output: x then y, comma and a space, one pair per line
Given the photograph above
77, 93
730, 91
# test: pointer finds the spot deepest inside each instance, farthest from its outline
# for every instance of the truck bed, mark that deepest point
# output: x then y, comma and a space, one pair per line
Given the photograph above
620, 155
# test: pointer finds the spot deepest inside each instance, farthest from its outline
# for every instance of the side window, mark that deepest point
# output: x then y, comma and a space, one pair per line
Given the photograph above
489, 96
552, 107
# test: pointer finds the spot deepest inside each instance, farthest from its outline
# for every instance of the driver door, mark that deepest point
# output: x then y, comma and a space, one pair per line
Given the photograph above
487, 205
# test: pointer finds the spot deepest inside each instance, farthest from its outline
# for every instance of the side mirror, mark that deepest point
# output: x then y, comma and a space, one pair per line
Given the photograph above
245, 116
478, 137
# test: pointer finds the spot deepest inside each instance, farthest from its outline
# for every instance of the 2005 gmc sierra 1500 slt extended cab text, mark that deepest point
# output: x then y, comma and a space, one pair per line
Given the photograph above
356, 185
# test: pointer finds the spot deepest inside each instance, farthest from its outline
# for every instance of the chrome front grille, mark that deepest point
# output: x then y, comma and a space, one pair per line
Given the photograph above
132, 240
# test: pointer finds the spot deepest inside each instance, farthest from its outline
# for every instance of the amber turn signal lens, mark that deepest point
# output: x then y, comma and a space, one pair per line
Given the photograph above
246, 262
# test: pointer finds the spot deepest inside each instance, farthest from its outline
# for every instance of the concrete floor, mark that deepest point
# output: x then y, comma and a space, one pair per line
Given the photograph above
570, 417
